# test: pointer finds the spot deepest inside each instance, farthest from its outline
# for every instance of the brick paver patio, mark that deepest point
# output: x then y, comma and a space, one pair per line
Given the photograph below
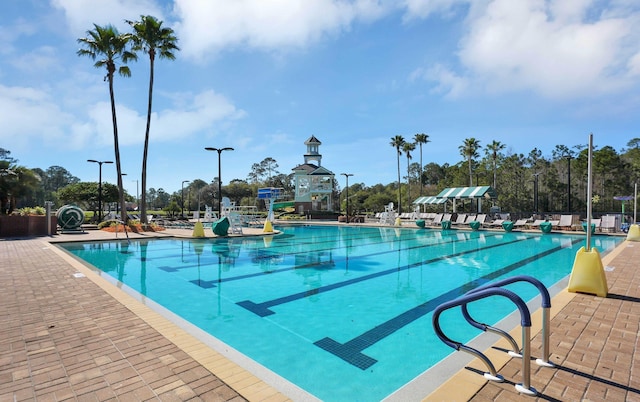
64, 337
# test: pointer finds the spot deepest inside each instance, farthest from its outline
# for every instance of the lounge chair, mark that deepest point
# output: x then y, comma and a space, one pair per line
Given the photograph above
520, 223
460, 219
497, 222
436, 220
608, 223
565, 222
481, 218
470, 218
536, 223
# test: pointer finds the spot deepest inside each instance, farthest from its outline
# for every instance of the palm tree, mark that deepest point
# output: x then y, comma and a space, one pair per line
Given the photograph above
150, 37
493, 150
398, 142
407, 147
107, 45
470, 151
421, 139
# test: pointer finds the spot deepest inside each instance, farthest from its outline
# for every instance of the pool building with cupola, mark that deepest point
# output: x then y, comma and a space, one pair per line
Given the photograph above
314, 183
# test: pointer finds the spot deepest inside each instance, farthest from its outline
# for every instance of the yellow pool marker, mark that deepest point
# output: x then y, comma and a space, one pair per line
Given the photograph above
268, 227
198, 230
587, 275
634, 233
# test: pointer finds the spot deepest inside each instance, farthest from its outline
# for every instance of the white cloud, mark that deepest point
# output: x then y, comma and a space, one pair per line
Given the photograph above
208, 26
40, 59
447, 81
82, 14
559, 49
189, 114
30, 117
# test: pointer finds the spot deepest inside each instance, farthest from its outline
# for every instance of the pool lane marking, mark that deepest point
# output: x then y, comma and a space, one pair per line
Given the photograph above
276, 253
351, 351
210, 284
263, 309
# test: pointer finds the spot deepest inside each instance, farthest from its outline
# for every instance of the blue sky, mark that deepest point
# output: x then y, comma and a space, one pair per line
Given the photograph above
264, 75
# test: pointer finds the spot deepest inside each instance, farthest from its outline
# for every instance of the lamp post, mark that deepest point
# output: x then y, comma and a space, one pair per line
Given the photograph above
137, 195
346, 175
123, 206
219, 150
99, 185
535, 192
569, 157
182, 198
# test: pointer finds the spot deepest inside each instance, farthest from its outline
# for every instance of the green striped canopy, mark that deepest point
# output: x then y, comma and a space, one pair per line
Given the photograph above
430, 200
468, 192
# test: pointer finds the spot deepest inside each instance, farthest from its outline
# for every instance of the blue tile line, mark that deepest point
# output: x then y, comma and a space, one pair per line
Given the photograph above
351, 351
262, 309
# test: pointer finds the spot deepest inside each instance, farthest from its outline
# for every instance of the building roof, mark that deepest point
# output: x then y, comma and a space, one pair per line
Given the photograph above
312, 169
312, 140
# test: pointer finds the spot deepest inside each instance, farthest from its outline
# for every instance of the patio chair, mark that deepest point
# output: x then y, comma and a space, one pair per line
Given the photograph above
608, 223
520, 223
497, 222
565, 222
437, 220
460, 219
535, 224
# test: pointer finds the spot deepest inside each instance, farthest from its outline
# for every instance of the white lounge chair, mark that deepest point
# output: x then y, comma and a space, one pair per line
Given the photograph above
565, 222
520, 223
460, 219
437, 220
608, 223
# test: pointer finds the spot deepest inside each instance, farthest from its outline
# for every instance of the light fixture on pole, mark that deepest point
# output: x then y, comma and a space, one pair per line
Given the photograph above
99, 185
182, 198
569, 157
346, 175
219, 150
535, 192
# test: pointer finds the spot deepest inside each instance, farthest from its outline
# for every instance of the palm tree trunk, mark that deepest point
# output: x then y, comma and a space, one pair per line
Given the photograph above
408, 183
143, 200
398, 157
123, 209
420, 178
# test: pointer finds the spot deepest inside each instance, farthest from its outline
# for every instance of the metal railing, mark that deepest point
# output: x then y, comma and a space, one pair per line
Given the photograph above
525, 322
546, 310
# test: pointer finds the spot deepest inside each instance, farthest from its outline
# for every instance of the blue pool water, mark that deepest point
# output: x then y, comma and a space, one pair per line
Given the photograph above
342, 312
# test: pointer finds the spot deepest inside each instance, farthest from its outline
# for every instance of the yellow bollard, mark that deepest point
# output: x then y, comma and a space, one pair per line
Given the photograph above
587, 275
398, 222
634, 233
268, 227
198, 230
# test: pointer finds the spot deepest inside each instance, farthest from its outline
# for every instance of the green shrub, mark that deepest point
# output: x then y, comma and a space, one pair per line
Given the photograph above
32, 211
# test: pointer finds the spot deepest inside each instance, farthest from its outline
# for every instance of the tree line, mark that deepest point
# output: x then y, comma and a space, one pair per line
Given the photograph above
525, 184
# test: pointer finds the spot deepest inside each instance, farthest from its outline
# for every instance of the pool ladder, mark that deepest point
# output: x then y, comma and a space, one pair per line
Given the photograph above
495, 289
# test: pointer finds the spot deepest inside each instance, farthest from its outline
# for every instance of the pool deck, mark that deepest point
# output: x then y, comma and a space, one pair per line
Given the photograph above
66, 333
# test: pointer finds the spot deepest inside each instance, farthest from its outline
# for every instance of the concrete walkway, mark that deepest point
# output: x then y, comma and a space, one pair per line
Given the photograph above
68, 334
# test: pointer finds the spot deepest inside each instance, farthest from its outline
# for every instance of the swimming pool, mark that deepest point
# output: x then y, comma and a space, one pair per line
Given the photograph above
342, 312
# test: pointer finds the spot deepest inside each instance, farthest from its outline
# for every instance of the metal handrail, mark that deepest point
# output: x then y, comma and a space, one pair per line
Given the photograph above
546, 308
525, 322
124, 228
